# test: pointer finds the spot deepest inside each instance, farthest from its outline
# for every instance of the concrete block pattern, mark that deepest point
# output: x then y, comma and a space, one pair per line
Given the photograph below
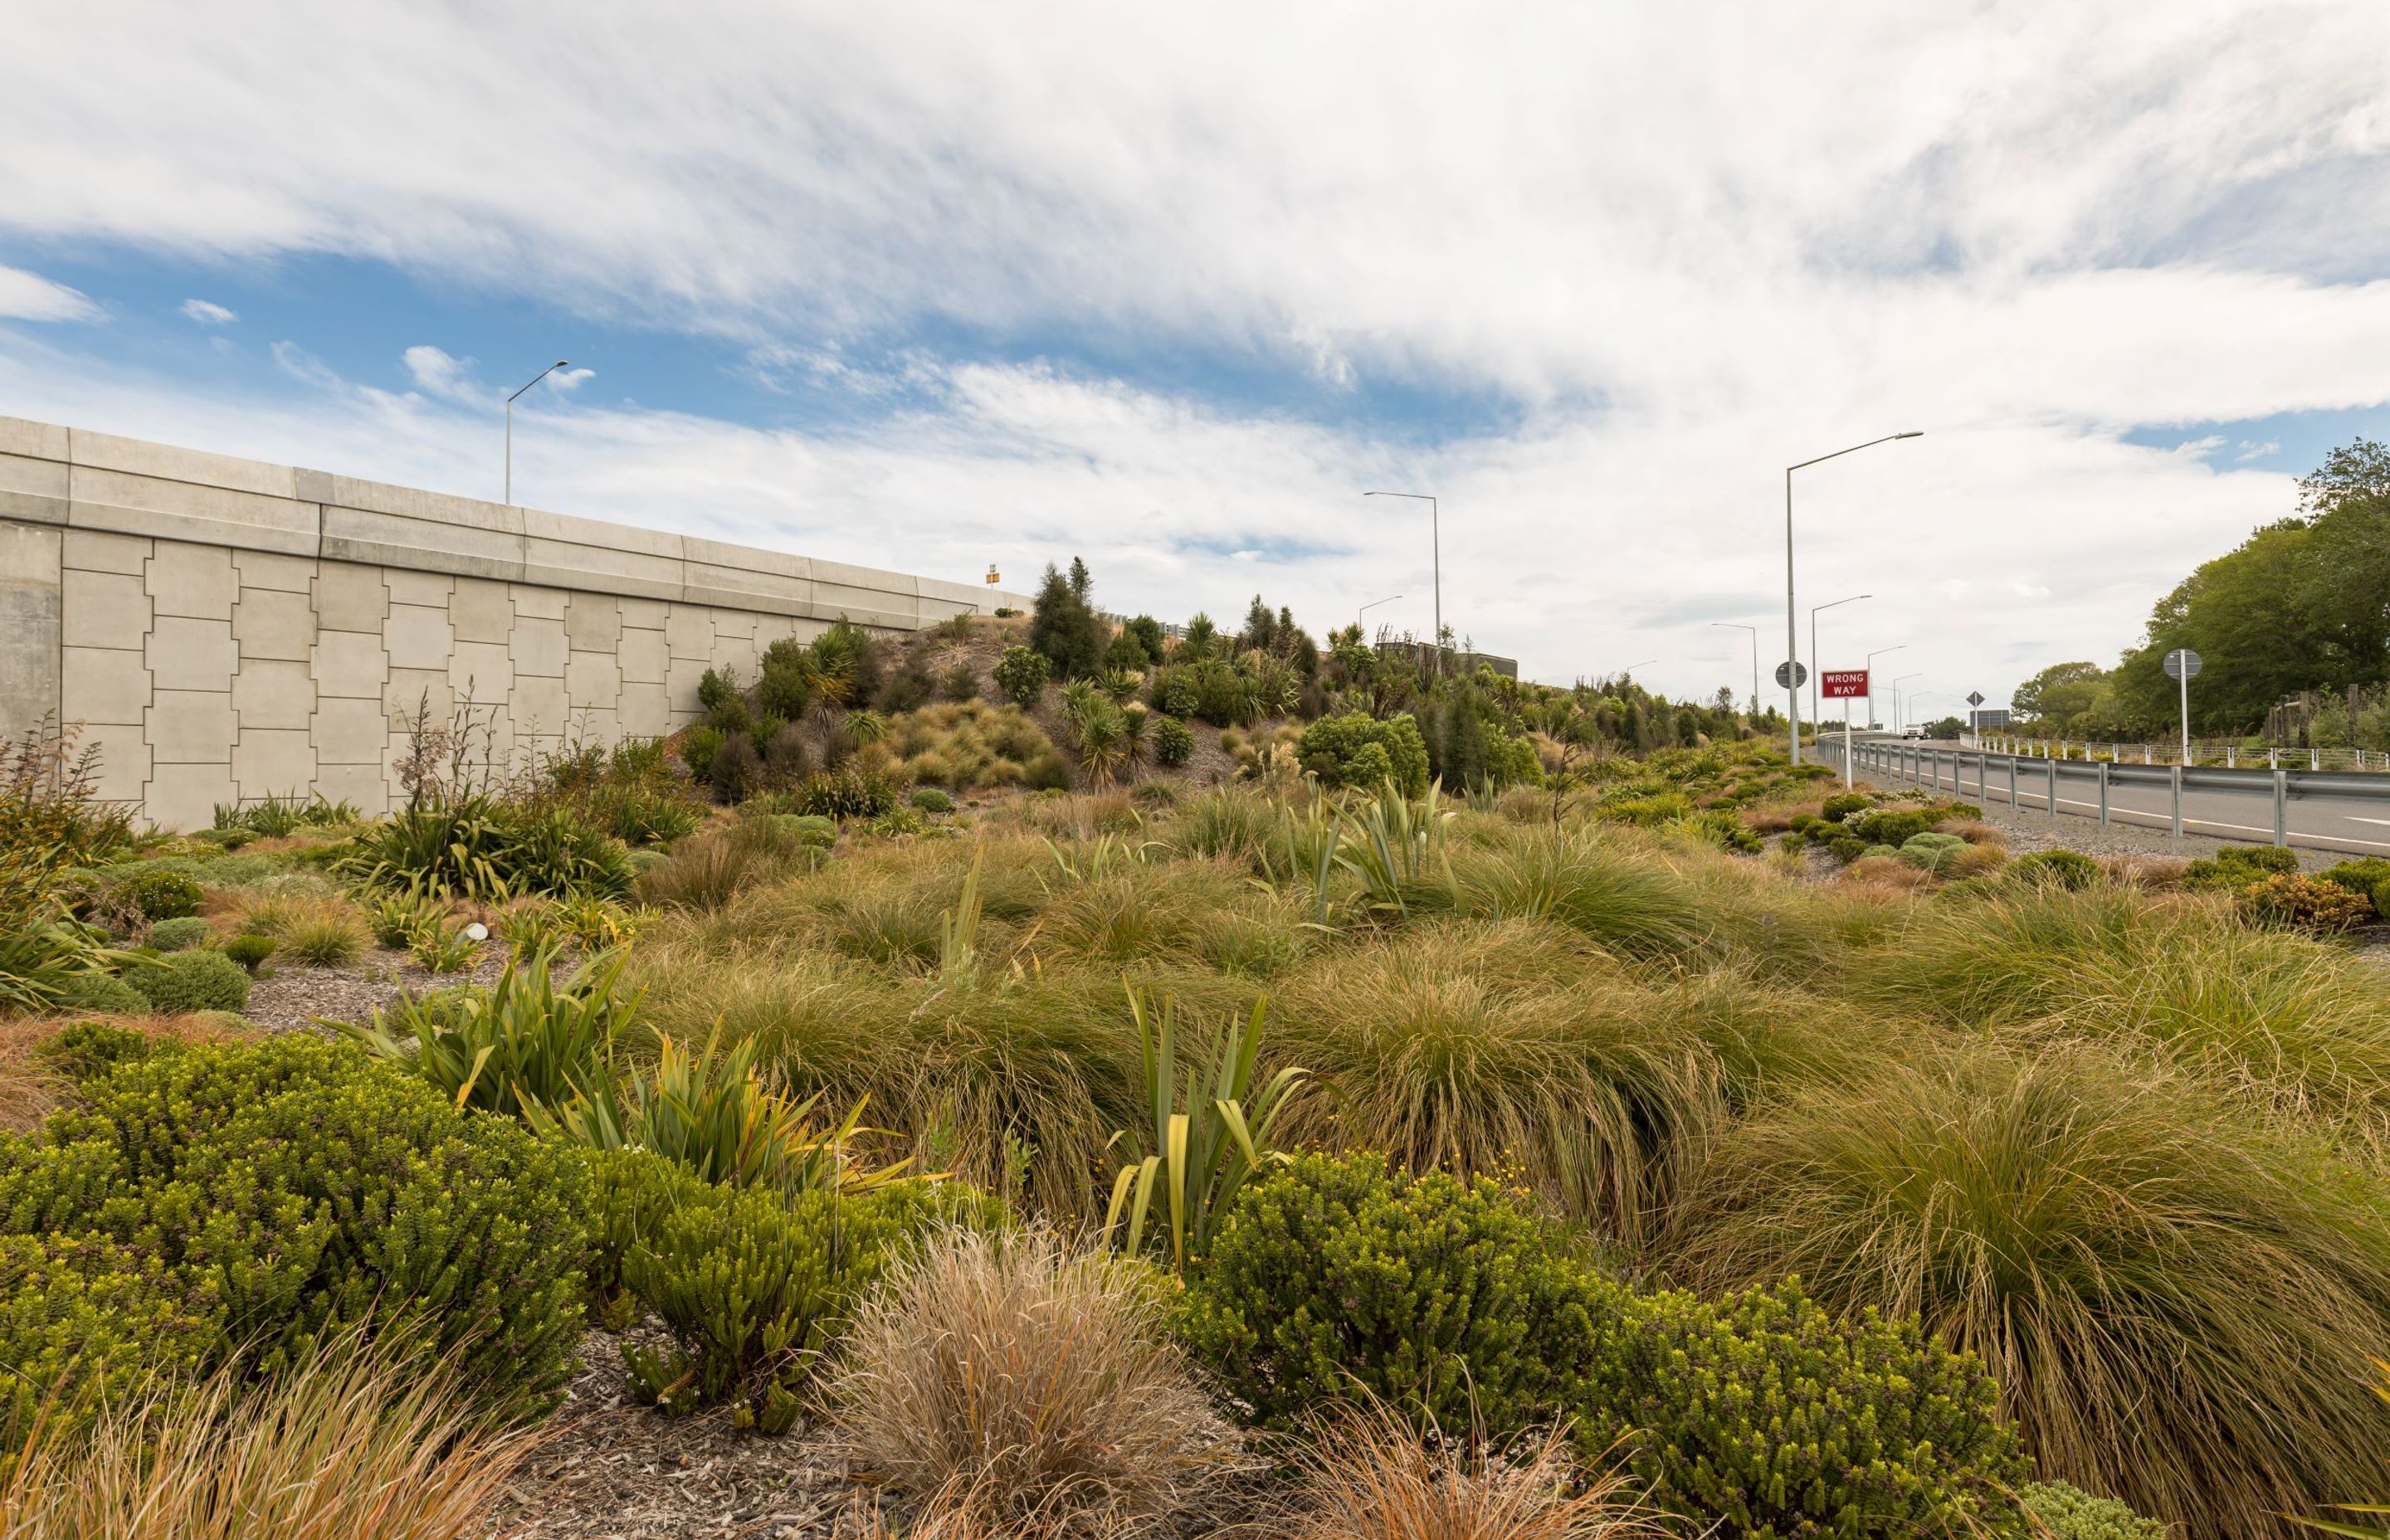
349, 598
197, 581
103, 685
273, 622
186, 654
274, 761
350, 664
184, 796
418, 636
192, 726
103, 610
539, 647
287, 574
274, 693
480, 610
92, 551
230, 628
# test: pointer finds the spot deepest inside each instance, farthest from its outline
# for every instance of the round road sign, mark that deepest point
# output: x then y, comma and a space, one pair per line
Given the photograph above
2182, 663
1791, 676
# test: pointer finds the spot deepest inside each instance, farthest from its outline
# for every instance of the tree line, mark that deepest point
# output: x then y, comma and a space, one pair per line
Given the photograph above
2303, 605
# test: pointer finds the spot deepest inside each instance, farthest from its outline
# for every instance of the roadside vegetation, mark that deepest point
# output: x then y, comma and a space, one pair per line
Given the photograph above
1424, 1106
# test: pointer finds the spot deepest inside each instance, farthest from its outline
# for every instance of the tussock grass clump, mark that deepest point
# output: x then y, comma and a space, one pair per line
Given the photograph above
1370, 1474
966, 746
1030, 1383
2176, 1300
1515, 1046
351, 1443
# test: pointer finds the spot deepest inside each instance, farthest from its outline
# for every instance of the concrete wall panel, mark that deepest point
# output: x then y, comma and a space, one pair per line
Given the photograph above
229, 628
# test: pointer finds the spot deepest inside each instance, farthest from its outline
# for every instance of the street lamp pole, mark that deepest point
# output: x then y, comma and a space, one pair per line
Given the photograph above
1737, 625
1435, 554
1897, 647
1365, 610
1897, 722
559, 364
1792, 615
1817, 659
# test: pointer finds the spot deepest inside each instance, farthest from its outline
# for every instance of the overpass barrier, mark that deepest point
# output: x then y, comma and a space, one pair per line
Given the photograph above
2028, 782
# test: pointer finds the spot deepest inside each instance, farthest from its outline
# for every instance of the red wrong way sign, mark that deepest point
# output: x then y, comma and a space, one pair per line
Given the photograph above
1844, 684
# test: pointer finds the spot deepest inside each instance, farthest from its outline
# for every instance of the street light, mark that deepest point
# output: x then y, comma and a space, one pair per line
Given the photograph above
1896, 697
559, 364
1357, 614
1791, 618
1817, 659
1628, 672
1897, 647
1435, 553
1737, 625
1909, 713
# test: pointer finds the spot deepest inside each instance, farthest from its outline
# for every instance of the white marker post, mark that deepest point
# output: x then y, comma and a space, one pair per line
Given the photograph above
1845, 686
2182, 664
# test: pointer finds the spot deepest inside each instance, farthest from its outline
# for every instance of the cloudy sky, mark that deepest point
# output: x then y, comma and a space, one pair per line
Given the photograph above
936, 285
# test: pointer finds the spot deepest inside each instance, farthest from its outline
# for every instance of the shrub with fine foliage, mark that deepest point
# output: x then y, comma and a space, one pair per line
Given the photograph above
255, 1198
184, 981
1769, 1414
1434, 1295
2176, 1298
1359, 749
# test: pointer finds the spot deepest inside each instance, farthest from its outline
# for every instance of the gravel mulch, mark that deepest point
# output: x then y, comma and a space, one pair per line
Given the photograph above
288, 996
614, 1470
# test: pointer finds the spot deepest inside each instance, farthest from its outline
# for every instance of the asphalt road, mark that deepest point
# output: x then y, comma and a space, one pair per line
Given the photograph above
2359, 825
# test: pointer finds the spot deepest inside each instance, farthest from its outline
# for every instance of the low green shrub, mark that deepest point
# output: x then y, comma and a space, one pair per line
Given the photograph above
1435, 1296
85, 1050
1173, 741
2370, 876
2069, 869
100, 992
1356, 748
754, 1283
326, 939
2071, 1513
1846, 848
158, 893
182, 981
251, 1201
1021, 674
250, 951
1840, 807
1769, 1417
2236, 867
928, 799
1894, 827
178, 935
1880, 852
1931, 851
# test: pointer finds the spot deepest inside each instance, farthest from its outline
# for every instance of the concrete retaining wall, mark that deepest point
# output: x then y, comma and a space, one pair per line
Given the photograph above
227, 629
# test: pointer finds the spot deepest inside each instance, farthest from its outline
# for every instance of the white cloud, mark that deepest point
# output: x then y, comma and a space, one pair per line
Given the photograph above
30, 297
207, 313
1681, 248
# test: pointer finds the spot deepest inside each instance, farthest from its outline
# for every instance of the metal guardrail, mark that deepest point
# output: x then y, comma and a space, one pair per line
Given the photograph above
2230, 755
2023, 781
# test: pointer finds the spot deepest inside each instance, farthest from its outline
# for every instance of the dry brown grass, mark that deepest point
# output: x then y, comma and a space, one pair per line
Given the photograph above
1371, 1476
1973, 831
1886, 872
30, 1089
1020, 1382
2146, 871
350, 1446
1776, 817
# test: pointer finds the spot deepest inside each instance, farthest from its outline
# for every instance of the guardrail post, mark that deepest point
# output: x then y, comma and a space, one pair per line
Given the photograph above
2176, 778
2314, 759
2051, 765
2281, 807
2273, 759
2104, 793
2012, 783
2232, 756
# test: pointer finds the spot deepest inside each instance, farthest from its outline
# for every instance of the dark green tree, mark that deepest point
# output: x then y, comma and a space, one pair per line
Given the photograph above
1064, 628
